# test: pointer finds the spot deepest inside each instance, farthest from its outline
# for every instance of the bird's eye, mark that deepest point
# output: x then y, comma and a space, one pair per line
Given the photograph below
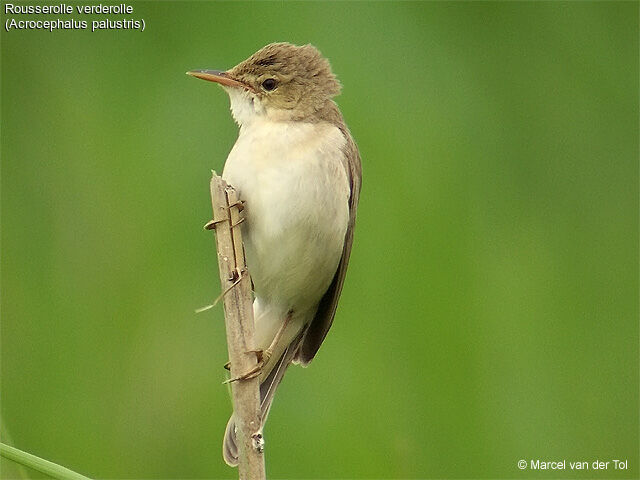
269, 84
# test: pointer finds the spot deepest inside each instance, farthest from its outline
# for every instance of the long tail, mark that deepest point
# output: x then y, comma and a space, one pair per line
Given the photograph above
267, 390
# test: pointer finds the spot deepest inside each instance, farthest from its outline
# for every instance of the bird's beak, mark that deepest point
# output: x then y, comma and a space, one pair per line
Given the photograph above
218, 76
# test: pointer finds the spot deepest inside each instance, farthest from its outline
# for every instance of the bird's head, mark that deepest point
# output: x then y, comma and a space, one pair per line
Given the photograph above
280, 82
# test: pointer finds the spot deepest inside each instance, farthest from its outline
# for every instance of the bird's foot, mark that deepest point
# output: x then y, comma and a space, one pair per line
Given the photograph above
263, 357
253, 373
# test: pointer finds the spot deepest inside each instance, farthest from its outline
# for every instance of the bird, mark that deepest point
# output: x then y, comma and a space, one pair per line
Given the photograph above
298, 172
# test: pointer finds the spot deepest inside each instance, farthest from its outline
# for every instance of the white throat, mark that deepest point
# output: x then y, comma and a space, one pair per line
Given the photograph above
246, 108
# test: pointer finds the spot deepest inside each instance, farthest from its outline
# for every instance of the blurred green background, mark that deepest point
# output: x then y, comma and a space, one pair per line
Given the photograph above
490, 313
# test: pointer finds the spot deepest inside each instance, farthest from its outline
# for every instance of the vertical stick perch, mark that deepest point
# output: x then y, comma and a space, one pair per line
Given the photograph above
238, 314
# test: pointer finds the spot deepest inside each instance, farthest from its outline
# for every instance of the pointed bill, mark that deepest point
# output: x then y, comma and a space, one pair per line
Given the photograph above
218, 76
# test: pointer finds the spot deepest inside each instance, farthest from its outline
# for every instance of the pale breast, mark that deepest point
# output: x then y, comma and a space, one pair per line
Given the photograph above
296, 192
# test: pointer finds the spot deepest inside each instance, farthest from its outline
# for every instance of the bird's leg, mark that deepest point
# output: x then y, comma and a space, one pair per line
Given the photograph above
263, 355
266, 355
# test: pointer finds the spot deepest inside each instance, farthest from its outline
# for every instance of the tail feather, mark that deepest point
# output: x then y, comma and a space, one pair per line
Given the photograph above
268, 388
229, 446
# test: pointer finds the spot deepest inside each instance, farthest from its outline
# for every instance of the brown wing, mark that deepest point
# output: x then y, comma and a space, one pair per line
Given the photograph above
321, 323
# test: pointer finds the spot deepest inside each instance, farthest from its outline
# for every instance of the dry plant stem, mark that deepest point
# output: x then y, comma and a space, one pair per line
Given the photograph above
238, 314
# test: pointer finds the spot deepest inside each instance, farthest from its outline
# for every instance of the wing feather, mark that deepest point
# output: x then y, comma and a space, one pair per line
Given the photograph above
319, 327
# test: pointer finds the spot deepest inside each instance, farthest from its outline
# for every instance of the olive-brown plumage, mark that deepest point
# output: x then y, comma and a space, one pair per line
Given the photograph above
303, 78
298, 170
